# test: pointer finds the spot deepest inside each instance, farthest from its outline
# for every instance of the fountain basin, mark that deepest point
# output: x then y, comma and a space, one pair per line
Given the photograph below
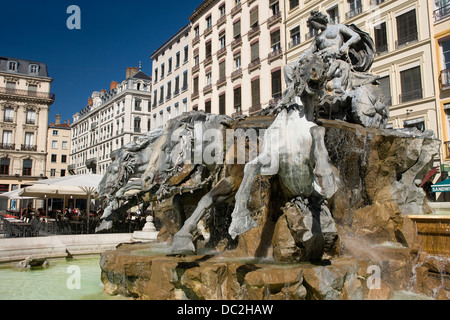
434, 231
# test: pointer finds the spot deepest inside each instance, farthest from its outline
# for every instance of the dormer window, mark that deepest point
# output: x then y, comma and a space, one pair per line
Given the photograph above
12, 66
34, 69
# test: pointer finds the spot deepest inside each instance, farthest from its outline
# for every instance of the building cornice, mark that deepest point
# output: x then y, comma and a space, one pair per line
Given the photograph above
202, 8
171, 40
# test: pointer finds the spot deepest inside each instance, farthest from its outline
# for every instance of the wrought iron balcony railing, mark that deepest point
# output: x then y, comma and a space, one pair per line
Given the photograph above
445, 79
7, 146
27, 93
442, 12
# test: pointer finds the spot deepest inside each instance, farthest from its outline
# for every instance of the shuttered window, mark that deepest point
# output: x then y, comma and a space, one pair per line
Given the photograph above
276, 84
237, 29
255, 92
407, 27
381, 38
222, 70
222, 108
255, 51
254, 17
411, 84
385, 86
237, 98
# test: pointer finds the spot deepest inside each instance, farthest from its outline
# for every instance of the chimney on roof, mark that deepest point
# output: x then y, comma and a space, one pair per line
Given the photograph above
114, 84
131, 71
90, 101
103, 92
58, 119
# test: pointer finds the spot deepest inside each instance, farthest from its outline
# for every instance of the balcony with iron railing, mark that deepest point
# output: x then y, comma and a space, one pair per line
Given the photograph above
444, 78
236, 74
275, 54
254, 31
294, 41
254, 64
28, 93
376, 2
28, 147
404, 41
221, 20
442, 12
354, 12
411, 96
274, 19
255, 108
7, 146
236, 42
221, 81
236, 9
311, 34
237, 113
8, 119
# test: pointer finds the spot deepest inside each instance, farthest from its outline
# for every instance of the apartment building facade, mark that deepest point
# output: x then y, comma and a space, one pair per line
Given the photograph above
25, 100
109, 121
238, 51
401, 31
440, 19
58, 147
171, 76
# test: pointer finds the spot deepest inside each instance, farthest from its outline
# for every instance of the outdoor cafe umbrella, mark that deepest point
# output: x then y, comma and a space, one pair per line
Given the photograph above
14, 195
86, 184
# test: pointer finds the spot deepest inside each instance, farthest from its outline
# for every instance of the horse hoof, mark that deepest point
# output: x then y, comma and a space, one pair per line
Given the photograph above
241, 225
182, 244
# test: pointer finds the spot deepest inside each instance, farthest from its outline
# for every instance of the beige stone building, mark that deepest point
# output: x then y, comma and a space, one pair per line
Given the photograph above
25, 100
58, 147
171, 77
440, 20
110, 120
238, 49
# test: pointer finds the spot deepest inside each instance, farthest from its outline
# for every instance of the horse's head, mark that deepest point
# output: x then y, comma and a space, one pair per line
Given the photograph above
311, 74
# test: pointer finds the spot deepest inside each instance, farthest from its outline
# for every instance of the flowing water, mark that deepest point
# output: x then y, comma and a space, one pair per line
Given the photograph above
74, 279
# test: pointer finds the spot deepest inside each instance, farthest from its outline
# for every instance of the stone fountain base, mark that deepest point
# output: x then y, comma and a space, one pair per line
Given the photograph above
128, 271
134, 270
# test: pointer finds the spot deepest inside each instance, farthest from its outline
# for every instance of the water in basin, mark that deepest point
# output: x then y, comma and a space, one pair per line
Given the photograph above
57, 282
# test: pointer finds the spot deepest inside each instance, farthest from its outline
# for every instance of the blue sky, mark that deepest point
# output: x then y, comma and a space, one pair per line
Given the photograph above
114, 35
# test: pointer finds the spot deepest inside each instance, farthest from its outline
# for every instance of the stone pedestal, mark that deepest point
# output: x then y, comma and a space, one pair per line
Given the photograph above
148, 233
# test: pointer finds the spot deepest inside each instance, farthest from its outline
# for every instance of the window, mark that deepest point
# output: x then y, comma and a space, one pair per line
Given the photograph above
177, 60
161, 94
208, 49
177, 85
34, 69
137, 105
155, 98
333, 13
406, 28
54, 144
222, 106
52, 172
222, 69
65, 145
196, 60
169, 90
196, 85
415, 123
237, 29
54, 158
12, 66
55, 133
354, 8
31, 117
186, 54
156, 75
255, 93
275, 40
293, 4
208, 106
276, 84
63, 158
8, 115
237, 61
445, 73
254, 49
208, 78
27, 167
196, 31
185, 105
411, 85
274, 7
6, 138
163, 68
222, 11
29, 139
185, 81
237, 100
32, 89
381, 38
208, 22
161, 118
385, 86
169, 66
176, 112
295, 36
254, 18
137, 125
63, 173
222, 40
4, 166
